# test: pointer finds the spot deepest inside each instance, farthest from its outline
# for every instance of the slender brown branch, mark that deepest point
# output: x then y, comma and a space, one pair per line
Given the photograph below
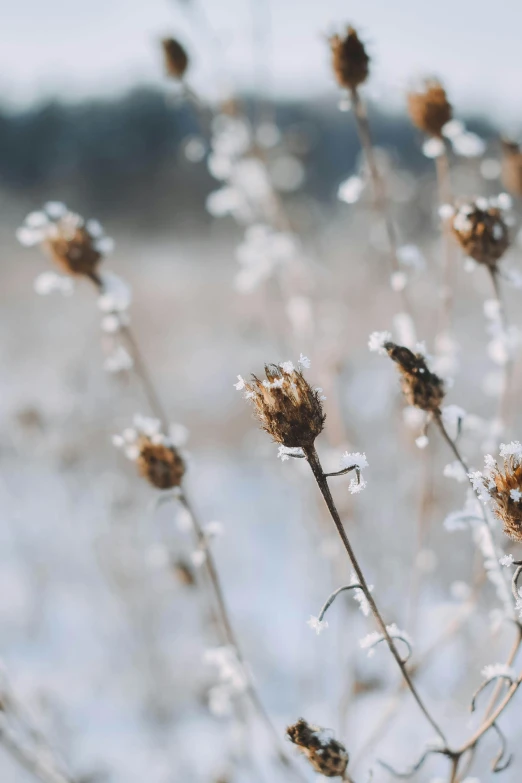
315, 465
504, 402
445, 196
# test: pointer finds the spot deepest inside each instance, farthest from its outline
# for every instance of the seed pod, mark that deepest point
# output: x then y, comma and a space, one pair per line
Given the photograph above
420, 386
350, 61
512, 167
505, 489
481, 231
429, 108
160, 464
327, 756
176, 58
286, 405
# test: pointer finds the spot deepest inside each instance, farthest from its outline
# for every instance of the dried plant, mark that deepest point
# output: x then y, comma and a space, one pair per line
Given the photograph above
350, 60
512, 167
327, 756
175, 57
429, 108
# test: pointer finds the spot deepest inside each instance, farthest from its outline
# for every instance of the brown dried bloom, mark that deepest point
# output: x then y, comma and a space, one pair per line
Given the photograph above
512, 167
75, 245
481, 231
504, 486
288, 408
176, 58
327, 756
429, 108
350, 61
156, 456
421, 387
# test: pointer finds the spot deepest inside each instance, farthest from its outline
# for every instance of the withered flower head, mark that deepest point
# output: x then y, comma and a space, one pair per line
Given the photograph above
512, 167
75, 245
429, 108
157, 458
481, 230
350, 61
504, 486
421, 387
176, 58
327, 756
288, 408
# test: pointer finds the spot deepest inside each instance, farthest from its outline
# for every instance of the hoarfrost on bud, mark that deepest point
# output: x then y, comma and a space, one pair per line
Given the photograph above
350, 459
284, 452
317, 625
513, 449
240, 383
356, 486
506, 561
350, 190
377, 340
304, 361
494, 670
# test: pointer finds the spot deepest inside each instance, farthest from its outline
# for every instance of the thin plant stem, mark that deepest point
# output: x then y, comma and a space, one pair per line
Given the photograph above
31, 761
445, 196
143, 374
504, 401
322, 482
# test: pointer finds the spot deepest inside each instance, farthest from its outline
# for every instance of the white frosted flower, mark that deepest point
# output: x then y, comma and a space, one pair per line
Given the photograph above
350, 190
49, 282
287, 367
507, 560
317, 625
304, 361
433, 148
422, 441
513, 449
356, 486
377, 340
494, 670
119, 360
116, 295
240, 383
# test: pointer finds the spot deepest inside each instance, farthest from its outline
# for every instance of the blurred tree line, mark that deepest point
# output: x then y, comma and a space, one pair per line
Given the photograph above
126, 156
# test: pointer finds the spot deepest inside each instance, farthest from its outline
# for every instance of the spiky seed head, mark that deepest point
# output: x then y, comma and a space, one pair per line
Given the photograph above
429, 108
350, 61
74, 250
287, 407
512, 167
481, 231
160, 464
505, 489
327, 756
176, 58
421, 387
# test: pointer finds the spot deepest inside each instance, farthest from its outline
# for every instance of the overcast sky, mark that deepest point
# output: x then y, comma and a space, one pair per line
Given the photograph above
78, 48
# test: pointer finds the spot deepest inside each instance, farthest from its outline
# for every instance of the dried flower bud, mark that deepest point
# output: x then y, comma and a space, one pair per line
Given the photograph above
422, 388
286, 405
327, 756
429, 108
184, 573
349, 59
176, 58
512, 167
505, 490
481, 231
75, 245
160, 464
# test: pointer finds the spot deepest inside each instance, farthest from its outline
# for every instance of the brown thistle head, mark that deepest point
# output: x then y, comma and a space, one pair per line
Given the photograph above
75, 245
285, 404
350, 61
175, 57
429, 108
157, 458
512, 167
327, 756
160, 464
504, 485
421, 387
481, 230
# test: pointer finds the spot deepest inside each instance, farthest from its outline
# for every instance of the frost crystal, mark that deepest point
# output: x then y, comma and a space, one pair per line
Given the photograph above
284, 452
455, 471
377, 340
317, 625
304, 361
515, 495
511, 449
494, 670
506, 561
353, 458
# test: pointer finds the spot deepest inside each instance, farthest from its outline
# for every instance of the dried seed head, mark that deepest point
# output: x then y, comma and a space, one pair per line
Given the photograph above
176, 58
429, 108
286, 405
481, 231
350, 61
161, 465
505, 489
184, 572
327, 756
420, 386
512, 167
75, 245
155, 454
